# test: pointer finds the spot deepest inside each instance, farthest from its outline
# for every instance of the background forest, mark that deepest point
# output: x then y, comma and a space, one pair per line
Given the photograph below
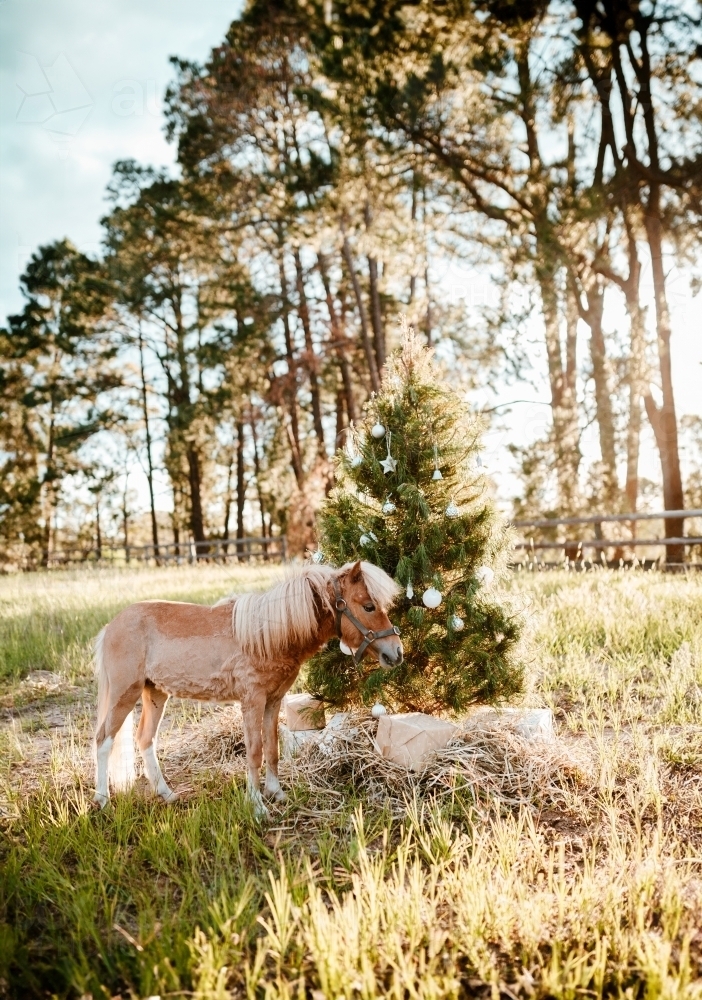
335, 160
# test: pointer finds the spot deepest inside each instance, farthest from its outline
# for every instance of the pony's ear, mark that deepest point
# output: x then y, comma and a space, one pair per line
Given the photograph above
352, 573
356, 573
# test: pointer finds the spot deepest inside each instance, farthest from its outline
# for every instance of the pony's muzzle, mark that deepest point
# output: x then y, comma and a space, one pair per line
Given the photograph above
391, 655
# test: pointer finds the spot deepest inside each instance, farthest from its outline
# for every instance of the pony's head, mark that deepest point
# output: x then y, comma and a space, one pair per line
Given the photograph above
363, 593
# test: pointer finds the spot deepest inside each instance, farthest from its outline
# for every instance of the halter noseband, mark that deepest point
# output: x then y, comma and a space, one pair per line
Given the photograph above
369, 636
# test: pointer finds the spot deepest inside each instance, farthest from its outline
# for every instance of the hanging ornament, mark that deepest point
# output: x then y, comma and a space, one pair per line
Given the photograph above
410, 591
389, 507
437, 470
389, 464
484, 575
356, 461
317, 557
452, 510
378, 710
378, 431
365, 539
457, 623
431, 598
344, 648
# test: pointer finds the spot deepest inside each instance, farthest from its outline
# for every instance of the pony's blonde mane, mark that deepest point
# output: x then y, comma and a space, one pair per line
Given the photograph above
265, 624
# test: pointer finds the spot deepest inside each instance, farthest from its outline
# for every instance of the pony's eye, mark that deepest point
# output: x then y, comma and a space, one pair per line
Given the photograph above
369, 607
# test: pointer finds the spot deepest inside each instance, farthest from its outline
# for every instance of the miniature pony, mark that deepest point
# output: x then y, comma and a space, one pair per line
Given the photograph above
246, 648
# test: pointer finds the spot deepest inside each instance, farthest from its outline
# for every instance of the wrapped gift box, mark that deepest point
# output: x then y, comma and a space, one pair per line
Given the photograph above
303, 712
409, 738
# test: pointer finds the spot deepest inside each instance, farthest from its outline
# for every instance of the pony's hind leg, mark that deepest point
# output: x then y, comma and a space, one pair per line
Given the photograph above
153, 702
252, 710
270, 743
118, 715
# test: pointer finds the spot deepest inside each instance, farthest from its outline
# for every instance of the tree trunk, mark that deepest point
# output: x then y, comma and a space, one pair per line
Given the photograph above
227, 504
98, 532
663, 419
340, 428
376, 313
257, 473
594, 291
149, 460
311, 361
240, 486
635, 379
125, 514
48, 488
566, 433
290, 393
340, 340
363, 316
194, 481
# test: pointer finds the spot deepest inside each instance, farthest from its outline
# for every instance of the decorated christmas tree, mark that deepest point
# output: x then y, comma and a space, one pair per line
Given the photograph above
412, 498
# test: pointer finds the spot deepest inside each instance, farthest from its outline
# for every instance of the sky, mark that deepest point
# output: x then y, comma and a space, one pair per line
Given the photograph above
81, 85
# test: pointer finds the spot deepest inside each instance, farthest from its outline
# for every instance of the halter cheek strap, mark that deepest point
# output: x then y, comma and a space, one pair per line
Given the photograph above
369, 636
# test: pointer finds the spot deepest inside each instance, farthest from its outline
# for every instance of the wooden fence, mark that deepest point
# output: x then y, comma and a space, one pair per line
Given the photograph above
256, 548
573, 548
219, 550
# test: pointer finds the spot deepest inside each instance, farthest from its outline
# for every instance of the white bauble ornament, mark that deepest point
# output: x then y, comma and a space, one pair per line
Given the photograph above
389, 507
317, 557
437, 474
344, 648
378, 431
484, 575
365, 539
431, 598
452, 510
457, 623
356, 461
378, 710
409, 591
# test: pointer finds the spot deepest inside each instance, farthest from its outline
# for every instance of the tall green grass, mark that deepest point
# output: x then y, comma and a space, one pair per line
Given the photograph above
597, 897
47, 620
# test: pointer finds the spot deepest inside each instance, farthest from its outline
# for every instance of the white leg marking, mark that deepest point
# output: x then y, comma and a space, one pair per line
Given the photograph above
153, 773
254, 794
102, 790
272, 786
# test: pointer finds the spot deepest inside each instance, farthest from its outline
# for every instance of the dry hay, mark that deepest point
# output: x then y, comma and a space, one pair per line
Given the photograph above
492, 759
499, 766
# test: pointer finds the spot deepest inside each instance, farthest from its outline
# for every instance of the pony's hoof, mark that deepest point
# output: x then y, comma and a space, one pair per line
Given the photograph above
170, 796
100, 800
277, 794
258, 806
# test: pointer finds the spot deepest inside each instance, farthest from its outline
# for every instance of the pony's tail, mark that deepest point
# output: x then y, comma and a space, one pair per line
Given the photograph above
121, 769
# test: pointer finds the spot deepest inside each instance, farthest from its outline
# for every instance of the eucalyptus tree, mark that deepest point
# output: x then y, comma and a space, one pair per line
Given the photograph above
493, 95
57, 362
185, 290
644, 62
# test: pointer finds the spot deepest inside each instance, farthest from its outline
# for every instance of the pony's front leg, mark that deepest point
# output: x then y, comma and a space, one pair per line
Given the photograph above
252, 710
270, 741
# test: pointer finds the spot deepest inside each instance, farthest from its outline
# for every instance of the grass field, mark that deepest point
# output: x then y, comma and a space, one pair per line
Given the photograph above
510, 868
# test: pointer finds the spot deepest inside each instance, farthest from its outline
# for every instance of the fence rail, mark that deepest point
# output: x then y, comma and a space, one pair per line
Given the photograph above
663, 515
573, 547
249, 549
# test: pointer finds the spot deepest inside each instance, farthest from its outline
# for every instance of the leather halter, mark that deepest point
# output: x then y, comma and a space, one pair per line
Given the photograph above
369, 636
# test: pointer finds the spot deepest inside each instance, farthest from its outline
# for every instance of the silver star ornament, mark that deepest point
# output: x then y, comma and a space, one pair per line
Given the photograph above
389, 464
